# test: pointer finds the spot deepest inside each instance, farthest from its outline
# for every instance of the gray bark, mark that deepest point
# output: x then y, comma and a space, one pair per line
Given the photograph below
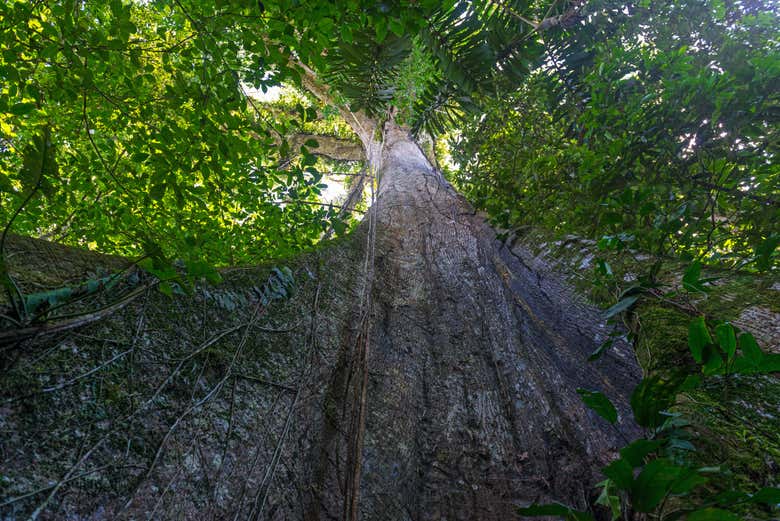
473, 364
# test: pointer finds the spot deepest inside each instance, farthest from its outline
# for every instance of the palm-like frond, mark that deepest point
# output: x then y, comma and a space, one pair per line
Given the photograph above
440, 107
364, 71
480, 48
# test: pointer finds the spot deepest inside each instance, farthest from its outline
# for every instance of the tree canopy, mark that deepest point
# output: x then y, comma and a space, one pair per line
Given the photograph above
131, 128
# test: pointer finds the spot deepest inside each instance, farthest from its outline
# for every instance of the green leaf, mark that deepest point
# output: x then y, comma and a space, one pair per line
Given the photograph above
768, 495
157, 191
39, 162
749, 348
165, 288
21, 109
596, 354
689, 479
635, 452
610, 500
691, 278
698, 338
40, 301
691, 382
381, 31
346, 33
649, 399
712, 360
712, 514
765, 251
727, 340
621, 473
311, 143
397, 27
621, 306
599, 403
653, 483
197, 269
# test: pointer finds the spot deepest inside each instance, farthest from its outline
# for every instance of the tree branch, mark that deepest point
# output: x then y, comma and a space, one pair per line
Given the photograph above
360, 123
547, 22
332, 147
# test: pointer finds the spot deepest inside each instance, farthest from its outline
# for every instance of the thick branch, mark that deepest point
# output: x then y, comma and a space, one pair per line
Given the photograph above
331, 147
361, 124
547, 22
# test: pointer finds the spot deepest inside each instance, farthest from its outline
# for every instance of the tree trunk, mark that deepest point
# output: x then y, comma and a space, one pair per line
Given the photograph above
469, 404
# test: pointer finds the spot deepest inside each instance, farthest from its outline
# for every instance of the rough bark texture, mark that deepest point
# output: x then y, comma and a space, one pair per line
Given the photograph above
424, 371
474, 362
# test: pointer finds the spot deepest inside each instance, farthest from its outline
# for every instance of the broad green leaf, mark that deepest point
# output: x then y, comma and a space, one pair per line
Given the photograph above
689, 479
650, 398
197, 269
166, 288
21, 109
653, 484
768, 495
635, 452
691, 382
727, 340
691, 278
621, 473
749, 348
608, 499
396, 27
381, 30
599, 403
713, 514
712, 360
698, 338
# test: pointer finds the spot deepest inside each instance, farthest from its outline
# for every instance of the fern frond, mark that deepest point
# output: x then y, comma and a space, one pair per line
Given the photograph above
441, 106
364, 71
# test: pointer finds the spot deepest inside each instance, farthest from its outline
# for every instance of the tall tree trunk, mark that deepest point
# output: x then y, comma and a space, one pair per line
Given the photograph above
458, 389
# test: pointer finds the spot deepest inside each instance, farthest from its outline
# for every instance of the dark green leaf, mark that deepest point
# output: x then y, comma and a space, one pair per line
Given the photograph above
698, 338
727, 340
599, 403
691, 278
712, 360
713, 514
768, 495
621, 306
650, 398
20, 109
749, 348
653, 484
621, 473
165, 288
635, 452
689, 479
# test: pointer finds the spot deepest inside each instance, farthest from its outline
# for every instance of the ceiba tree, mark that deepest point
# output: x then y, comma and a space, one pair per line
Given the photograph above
449, 390
456, 318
